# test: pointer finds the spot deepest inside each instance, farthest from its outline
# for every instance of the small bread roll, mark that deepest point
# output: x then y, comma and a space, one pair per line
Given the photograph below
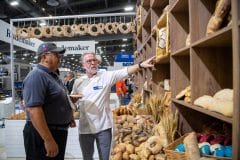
94, 29
109, 27
47, 31
183, 92
57, 31
124, 28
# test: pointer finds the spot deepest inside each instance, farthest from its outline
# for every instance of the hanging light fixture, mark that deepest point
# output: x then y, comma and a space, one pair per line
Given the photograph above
14, 3
129, 7
52, 3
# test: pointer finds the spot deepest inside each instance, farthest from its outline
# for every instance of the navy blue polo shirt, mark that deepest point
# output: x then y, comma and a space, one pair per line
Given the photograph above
44, 88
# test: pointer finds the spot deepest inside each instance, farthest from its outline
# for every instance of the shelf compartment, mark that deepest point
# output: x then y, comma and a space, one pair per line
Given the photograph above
215, 67
146, 36
149, 49
180, 73
179, 28
153, 45
145, 3
154, 32
222, 38
180, 6
159, 73
155, 14
201, 12
149, 79
157, 10
158, 3
147, 20
139, 42
138, 80
146, 40
144, 52
145, 17
138, 21
139, 58
146, 29
197, 121
163, 59
182, 52
139, 33
202, 110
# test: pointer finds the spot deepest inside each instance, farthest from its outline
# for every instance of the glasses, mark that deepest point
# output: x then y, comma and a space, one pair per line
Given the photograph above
91, 60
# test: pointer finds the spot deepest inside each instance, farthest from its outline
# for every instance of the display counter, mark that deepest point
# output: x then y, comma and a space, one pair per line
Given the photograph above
13, 133
14, 145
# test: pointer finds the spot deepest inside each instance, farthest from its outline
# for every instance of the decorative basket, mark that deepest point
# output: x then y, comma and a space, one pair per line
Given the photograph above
171, 154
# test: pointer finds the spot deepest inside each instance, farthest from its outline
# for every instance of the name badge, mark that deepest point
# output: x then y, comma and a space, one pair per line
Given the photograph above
97, 87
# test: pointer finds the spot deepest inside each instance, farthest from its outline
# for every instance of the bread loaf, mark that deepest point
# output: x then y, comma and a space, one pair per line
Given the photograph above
191, 147
221, 10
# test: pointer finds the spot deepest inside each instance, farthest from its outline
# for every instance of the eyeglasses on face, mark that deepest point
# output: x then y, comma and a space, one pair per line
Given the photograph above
89, 61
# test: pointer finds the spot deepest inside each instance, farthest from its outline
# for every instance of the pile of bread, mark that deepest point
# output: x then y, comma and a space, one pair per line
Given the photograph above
221, 102
134, 139
75, 30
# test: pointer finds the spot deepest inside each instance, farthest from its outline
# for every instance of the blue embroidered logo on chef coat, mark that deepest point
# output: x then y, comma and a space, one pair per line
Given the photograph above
97, 87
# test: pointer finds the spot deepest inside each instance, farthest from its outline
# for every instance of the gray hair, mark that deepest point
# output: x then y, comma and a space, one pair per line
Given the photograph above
87, 53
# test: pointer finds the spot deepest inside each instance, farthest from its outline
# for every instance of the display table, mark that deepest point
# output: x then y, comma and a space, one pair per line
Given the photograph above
6, 107
15, 147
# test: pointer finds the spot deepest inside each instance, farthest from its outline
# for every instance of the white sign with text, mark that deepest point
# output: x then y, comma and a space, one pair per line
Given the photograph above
27, 43
77, 47
72, 47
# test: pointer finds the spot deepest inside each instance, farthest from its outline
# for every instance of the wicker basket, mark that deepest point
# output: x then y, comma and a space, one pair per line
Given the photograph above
171, 154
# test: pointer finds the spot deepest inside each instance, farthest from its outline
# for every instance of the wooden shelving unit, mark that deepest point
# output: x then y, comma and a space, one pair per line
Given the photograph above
236, 77
208, 64
202, 110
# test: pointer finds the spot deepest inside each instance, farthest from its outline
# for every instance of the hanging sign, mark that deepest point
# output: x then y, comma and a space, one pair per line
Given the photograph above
72, 47
27, 43
123, 60
124, 57
77, 47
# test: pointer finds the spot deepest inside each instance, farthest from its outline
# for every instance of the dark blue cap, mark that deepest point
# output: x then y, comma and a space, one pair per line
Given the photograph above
50, 47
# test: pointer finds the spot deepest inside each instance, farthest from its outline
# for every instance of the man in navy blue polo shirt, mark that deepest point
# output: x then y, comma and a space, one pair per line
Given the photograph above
49, 113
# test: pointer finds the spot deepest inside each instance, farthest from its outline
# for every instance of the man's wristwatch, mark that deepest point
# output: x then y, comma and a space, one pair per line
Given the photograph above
139, 65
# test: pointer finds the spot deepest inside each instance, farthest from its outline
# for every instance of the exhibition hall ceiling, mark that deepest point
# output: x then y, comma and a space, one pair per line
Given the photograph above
107, 44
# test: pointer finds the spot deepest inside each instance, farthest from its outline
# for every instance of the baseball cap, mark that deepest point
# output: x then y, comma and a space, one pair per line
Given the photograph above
50, 47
